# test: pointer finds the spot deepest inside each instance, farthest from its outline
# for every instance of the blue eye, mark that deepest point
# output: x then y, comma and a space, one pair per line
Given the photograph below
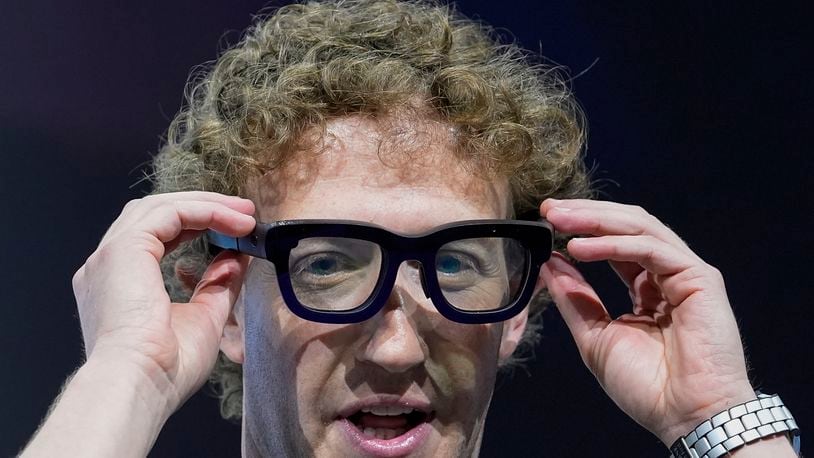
322, 266
448, 265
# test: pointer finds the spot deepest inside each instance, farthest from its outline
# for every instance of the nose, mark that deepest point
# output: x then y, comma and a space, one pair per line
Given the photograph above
395, 343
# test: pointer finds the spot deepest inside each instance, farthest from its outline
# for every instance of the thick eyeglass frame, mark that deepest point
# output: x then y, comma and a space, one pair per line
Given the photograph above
274, 242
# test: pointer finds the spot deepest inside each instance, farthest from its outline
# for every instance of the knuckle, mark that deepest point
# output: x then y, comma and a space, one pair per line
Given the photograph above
596, 227
705, 274
78, 278
132, 203
656, 223
644, 213
92, 260
636, 209
714, 272
103, 253
650, 242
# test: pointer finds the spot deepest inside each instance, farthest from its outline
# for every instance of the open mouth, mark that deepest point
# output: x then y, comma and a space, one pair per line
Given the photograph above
388, 422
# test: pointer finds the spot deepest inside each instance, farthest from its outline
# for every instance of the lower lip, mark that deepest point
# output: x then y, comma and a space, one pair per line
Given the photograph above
402, 445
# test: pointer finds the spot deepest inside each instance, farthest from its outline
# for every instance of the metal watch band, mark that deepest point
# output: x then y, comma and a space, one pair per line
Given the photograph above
737, 426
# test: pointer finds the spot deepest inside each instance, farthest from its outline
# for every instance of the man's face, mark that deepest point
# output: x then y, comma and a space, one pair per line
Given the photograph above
407, 381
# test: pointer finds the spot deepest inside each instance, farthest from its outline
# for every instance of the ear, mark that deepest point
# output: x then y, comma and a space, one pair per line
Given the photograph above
231, 343
513, 329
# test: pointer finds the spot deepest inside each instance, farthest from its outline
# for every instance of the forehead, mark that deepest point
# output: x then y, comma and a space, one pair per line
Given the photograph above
402, 173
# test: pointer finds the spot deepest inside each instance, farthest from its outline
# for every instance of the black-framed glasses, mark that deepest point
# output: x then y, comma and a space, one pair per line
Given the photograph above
337, 271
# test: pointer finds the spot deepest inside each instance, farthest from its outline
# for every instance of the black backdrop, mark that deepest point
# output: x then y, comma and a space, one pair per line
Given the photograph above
700, 113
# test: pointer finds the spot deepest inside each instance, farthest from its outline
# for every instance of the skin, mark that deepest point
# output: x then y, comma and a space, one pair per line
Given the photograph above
672, 362
298, 375
681, 339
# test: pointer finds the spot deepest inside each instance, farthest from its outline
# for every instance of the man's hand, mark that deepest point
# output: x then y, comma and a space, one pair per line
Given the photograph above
677, 359
145, 354
124, 307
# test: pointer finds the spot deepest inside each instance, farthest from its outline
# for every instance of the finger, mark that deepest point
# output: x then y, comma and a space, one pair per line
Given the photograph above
235, 202
607, 218
130, 259
700, 279
643, 291
168, 221
647, 297
184, 236
653, 254
578, 303
136, 210
172, 219
587, 203
626, 271
220, 286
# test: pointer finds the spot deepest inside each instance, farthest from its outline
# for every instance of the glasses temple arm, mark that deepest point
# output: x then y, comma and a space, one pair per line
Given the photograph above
253, 244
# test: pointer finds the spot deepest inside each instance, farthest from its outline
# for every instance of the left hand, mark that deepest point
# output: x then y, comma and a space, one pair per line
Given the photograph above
677, 359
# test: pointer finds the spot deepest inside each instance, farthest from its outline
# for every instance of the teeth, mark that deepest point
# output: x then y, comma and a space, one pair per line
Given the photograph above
388, 411
383, 433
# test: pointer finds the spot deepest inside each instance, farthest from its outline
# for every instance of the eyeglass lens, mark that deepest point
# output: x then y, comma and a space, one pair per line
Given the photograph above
334, 273
480, 274
340, 274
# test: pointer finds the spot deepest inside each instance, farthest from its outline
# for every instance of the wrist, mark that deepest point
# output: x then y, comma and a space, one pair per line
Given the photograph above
133, 378
147, 378
107, 408
683, 424
777, 446
756, 423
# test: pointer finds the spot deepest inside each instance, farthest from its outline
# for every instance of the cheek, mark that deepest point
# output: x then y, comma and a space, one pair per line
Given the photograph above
312, 358
284, 367
267, 367
463, 359
282, 344
268, 388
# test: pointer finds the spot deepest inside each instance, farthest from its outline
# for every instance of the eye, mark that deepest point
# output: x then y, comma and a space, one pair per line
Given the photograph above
452, 264
322, 264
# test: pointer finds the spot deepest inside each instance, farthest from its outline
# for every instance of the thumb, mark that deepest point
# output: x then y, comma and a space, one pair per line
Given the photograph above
578, 303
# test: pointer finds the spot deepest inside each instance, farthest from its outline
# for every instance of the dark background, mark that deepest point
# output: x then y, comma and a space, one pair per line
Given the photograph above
700, 113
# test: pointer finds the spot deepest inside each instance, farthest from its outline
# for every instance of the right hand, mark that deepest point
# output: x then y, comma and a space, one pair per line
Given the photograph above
124, 308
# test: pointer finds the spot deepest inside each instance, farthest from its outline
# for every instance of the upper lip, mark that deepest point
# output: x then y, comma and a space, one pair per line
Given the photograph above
385, 400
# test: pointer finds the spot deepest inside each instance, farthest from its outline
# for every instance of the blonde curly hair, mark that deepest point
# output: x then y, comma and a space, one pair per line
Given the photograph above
304, 64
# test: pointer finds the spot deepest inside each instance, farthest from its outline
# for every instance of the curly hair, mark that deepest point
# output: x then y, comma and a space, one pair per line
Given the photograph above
301, 65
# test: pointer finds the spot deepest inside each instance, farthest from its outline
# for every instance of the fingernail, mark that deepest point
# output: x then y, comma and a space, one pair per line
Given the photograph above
561, 209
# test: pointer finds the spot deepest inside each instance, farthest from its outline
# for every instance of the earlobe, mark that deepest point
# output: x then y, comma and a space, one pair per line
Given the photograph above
513, 330
231, 343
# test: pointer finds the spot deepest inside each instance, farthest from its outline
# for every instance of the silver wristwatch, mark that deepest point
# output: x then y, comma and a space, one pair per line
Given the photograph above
737, 426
